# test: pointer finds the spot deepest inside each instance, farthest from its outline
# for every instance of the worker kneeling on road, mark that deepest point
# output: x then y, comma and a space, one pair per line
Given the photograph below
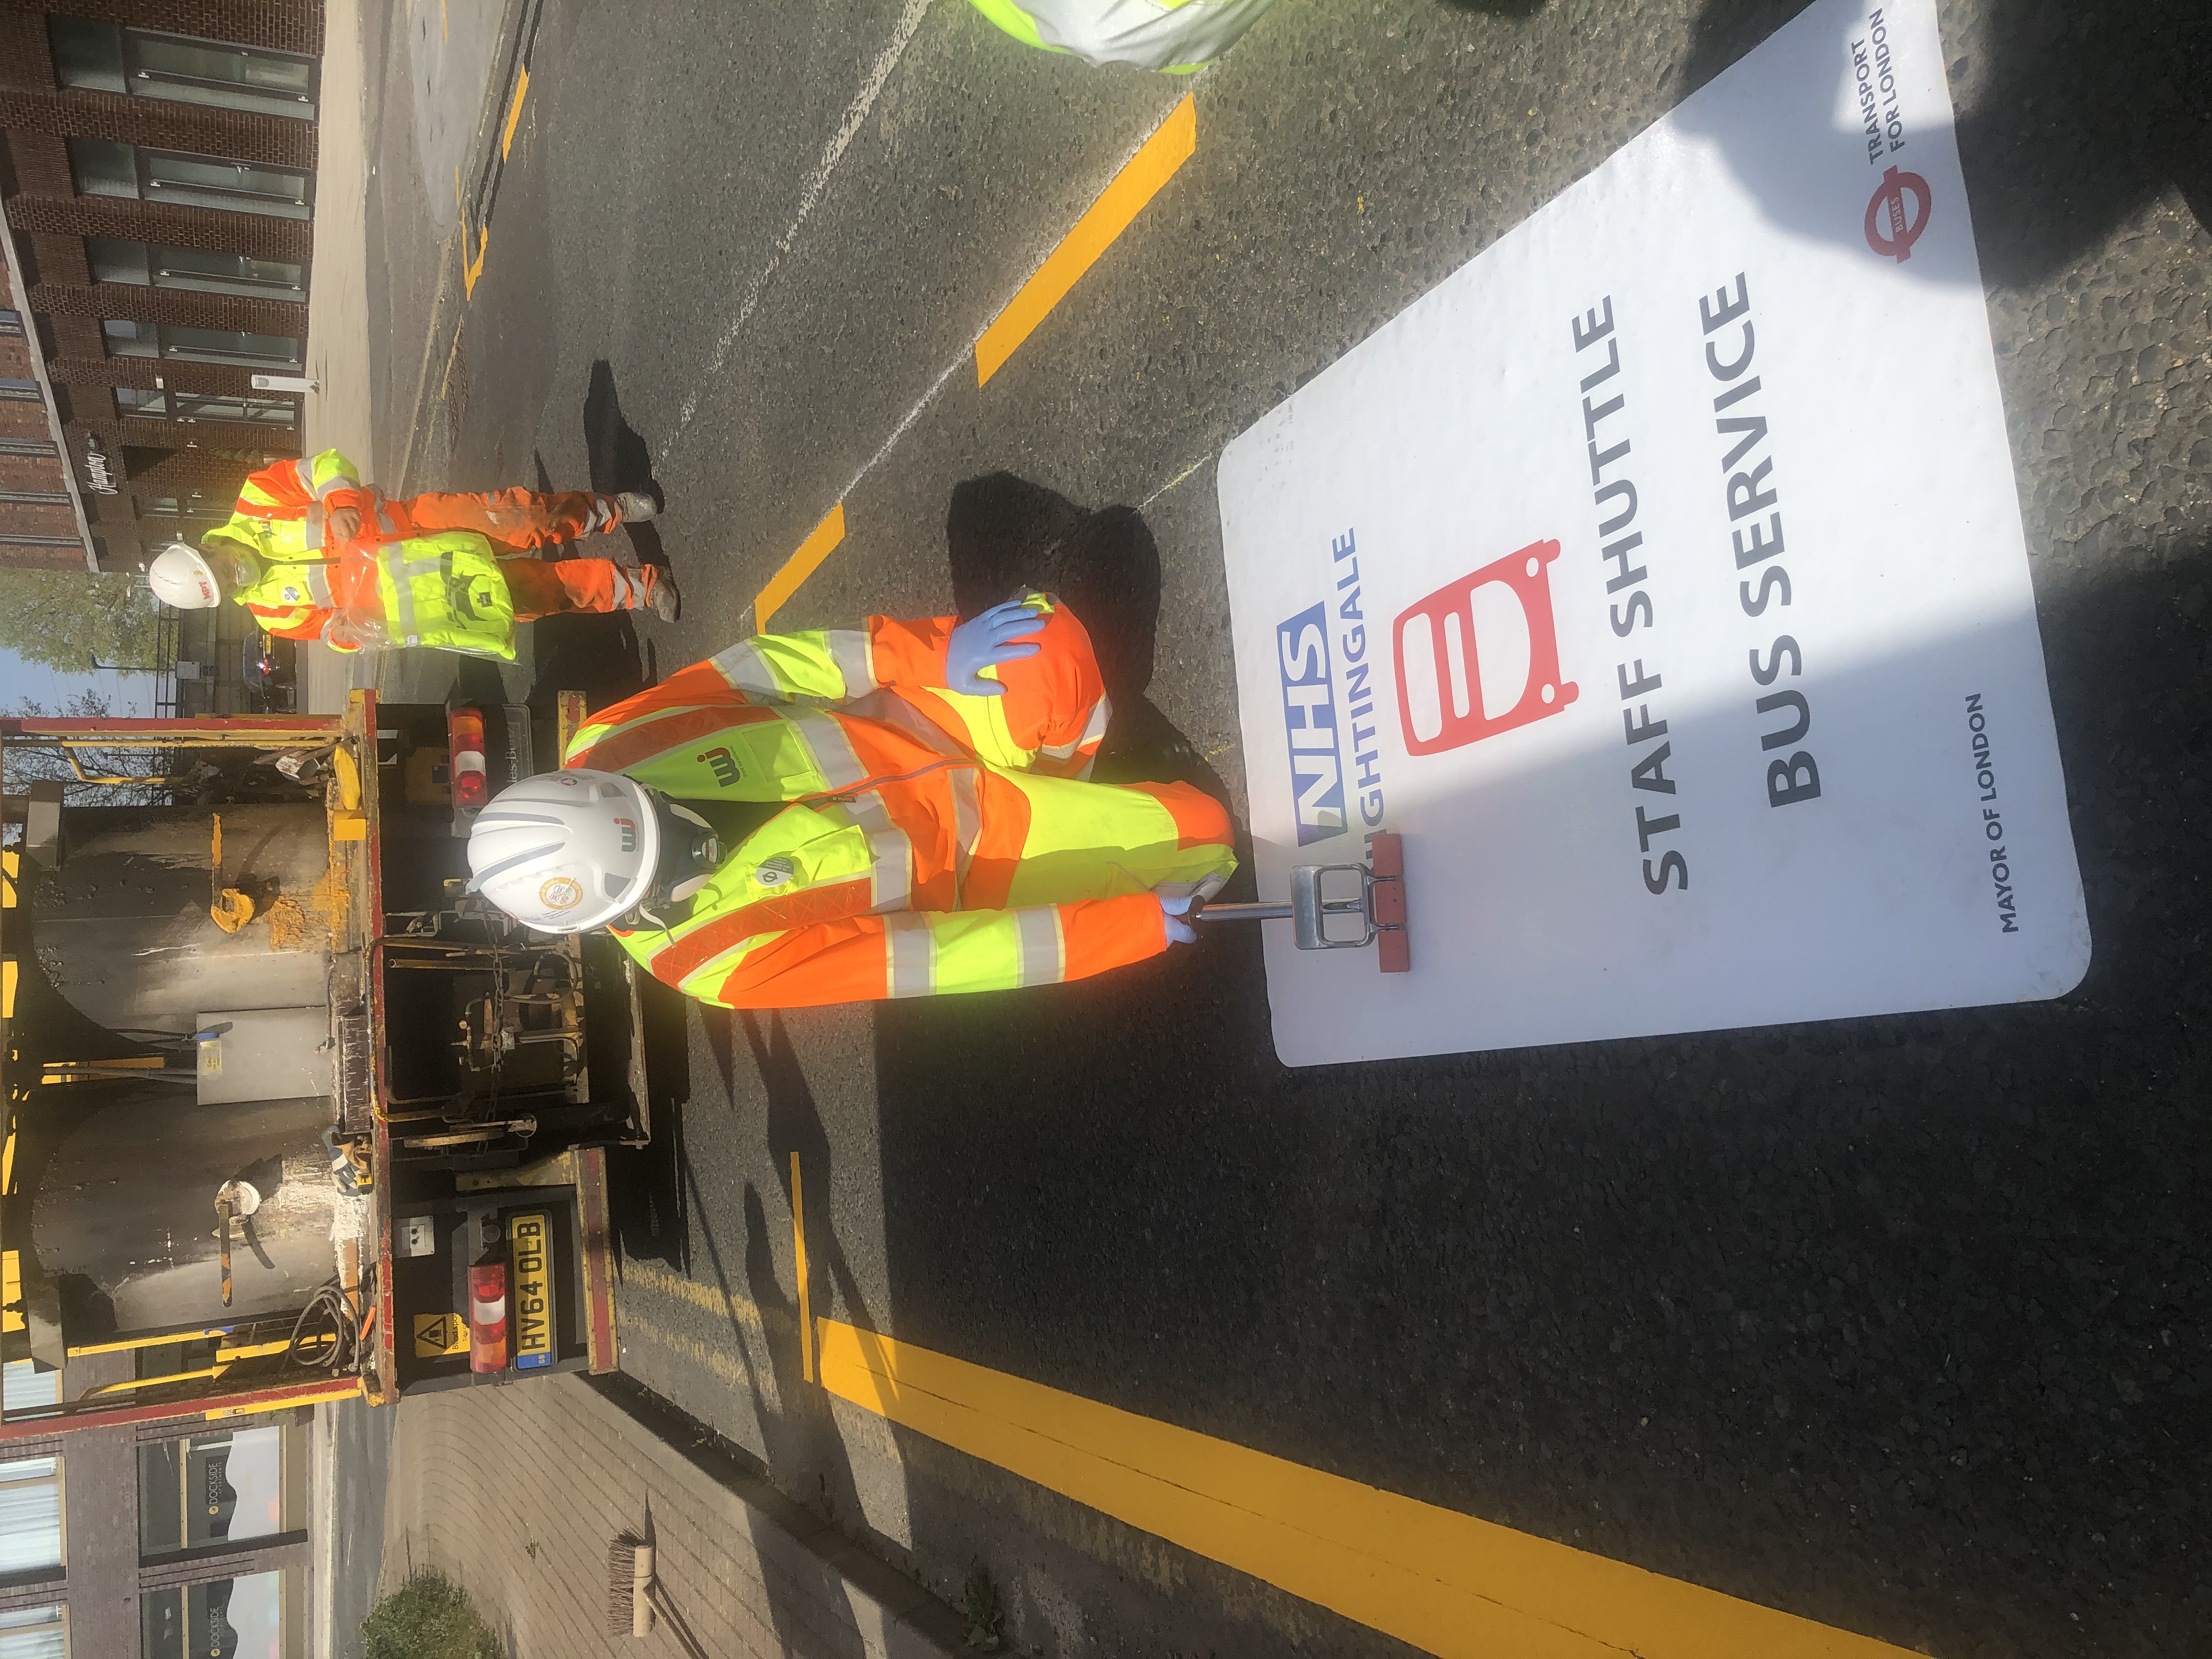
831, 817
313, 555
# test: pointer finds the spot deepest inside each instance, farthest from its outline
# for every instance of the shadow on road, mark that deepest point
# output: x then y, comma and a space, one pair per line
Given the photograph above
2081, 114
602, 656
619, 459
1894, 1322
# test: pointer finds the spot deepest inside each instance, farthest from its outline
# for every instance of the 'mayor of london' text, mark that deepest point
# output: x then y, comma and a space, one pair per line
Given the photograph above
1993, 830
1613, 494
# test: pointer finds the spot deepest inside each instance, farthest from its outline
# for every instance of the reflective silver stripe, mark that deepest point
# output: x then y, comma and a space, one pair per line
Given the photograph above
891, 880
1094, 731
519, 860
304, 468
603, 513
849, 649
319, 584
832, 751
967, 825
311, 535
894, 710
385, 522
396, 571
1102, 715
1037, 928
744, 667
912, 949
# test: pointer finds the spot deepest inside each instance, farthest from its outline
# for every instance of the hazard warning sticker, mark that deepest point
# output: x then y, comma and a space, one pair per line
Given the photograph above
438, 1335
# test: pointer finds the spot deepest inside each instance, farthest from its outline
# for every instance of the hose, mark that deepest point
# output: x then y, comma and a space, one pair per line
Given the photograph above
325, 1336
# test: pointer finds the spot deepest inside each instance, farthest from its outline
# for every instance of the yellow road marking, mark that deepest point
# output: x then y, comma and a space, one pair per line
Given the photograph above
709, 1298
471, 271
1117, 206
515, 111
1440, 1580
821, 542
798, 1249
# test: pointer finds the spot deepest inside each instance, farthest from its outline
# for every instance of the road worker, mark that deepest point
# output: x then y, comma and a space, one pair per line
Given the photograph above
298, 507
893, 810
1174, 36
314, 555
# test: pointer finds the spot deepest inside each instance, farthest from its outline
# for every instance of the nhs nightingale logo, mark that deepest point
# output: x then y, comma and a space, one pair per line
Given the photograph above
1309, 715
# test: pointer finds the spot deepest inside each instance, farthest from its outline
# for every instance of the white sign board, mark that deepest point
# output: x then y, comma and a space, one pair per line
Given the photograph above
1660, 577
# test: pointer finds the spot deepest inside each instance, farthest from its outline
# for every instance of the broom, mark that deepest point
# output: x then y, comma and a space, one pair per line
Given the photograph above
634, 1595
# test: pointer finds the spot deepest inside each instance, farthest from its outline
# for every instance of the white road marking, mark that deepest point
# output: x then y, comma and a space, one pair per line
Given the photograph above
809, 192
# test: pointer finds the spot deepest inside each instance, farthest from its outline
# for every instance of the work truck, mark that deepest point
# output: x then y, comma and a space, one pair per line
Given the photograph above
293, 1116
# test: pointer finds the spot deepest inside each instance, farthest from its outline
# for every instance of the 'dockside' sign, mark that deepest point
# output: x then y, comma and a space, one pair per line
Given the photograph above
1660, 577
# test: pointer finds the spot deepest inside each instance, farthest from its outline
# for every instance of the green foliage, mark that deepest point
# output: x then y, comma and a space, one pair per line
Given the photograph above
66, 618
981, 1604
428, 1617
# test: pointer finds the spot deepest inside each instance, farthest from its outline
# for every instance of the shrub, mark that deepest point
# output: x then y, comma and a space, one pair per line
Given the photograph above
428, 1617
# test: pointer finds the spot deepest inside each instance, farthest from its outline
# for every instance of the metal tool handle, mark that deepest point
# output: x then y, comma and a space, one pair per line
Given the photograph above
1380, 906
1212, 912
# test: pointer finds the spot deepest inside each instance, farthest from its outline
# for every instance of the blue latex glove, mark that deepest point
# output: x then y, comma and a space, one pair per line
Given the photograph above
1173, 911
987, 640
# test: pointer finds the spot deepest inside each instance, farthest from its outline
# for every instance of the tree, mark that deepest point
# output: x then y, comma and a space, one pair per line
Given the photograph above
25, 763
68, 619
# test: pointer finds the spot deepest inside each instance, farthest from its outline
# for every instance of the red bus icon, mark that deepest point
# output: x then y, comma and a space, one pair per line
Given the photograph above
1479, 655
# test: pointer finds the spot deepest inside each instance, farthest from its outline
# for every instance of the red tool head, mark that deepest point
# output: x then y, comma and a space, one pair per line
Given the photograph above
1386, 857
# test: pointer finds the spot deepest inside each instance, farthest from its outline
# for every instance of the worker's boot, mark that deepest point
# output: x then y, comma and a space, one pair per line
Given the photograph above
667, 602
636, 505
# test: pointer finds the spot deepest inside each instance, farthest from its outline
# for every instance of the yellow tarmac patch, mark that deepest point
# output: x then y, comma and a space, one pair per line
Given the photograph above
1445, 1582
1139, 179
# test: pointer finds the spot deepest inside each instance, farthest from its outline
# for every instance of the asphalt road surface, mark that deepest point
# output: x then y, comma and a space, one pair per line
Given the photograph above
1896, 1323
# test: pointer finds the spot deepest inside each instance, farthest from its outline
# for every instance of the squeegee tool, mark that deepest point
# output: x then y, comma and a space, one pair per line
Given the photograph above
1379, 907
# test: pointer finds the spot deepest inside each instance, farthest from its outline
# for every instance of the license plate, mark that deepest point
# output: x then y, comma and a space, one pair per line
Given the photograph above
533, 1303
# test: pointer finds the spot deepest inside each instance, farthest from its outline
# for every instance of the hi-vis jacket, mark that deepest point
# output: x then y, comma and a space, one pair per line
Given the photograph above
280, 509
936, 842
1176, 36
444, 591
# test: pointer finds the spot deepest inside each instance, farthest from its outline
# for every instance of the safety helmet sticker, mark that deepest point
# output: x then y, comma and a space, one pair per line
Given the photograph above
561, 892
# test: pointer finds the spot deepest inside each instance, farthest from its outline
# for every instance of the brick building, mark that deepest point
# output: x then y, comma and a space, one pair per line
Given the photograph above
157, 161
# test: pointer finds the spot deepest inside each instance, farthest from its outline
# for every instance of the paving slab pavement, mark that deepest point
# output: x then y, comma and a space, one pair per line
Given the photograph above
516, 1492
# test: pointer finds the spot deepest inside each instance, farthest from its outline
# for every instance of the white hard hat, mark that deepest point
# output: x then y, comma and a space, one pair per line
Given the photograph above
181, 574
566, 852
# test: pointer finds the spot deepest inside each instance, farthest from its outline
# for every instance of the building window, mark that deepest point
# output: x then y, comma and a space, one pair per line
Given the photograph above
34, 1633
102, 168
150, 264
219, 1488
104, 57
260, 1615
277, 412
126, 338
20, 392
30, 1515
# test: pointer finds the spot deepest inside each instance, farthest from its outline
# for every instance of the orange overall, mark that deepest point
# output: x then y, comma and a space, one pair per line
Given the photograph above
935, 842
303, 492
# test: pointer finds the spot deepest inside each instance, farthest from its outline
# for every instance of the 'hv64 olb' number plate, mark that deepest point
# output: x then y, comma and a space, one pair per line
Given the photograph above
533, 1291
